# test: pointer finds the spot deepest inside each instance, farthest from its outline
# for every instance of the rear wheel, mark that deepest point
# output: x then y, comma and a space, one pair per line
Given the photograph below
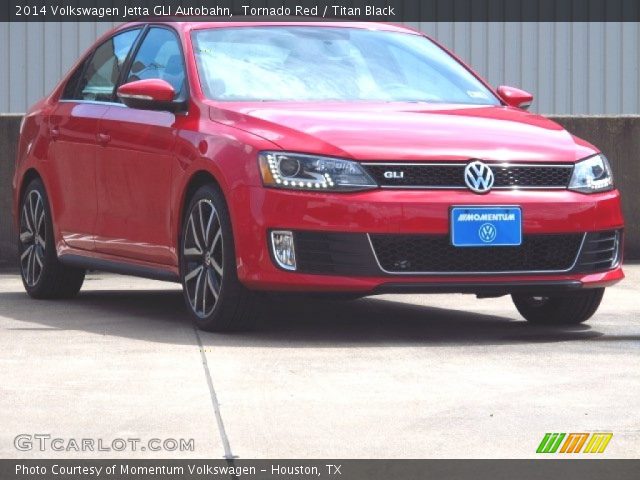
43, 276
569, 309
214, 296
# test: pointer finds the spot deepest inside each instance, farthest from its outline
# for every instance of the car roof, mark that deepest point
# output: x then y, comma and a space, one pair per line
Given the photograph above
181, 23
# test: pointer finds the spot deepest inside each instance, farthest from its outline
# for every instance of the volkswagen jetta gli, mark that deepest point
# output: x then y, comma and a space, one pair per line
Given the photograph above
342, 158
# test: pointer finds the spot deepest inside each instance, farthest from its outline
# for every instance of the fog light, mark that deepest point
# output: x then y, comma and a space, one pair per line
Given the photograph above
283, 250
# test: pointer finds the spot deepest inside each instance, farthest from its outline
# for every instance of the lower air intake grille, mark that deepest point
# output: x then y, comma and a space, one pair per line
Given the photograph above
420, 253
600, 252
334, 253
351, 254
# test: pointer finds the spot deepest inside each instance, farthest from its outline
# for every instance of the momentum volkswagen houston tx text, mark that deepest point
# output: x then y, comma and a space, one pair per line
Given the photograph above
351, 158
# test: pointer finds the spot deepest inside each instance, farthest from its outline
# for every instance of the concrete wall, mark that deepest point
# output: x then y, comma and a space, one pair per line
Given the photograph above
9, 130
574, 68
617, 137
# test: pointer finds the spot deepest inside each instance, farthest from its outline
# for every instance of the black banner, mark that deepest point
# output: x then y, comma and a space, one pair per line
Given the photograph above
579, 469
349, 10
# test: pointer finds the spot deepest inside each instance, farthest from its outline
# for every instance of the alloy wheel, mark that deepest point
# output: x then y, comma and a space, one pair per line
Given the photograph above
202, 251
32, 238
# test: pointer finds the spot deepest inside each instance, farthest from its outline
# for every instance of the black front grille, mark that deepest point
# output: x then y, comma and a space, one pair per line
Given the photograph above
351, 254
424, 175
600, 252
421, 253
539, 176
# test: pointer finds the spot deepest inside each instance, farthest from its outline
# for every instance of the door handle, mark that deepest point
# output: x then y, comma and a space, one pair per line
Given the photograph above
103, 138
54, 132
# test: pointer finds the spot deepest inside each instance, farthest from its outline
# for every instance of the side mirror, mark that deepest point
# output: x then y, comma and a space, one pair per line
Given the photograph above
150, 94
515, 97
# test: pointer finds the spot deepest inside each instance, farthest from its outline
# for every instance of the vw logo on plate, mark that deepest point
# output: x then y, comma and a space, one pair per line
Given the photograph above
487, 232
478, 176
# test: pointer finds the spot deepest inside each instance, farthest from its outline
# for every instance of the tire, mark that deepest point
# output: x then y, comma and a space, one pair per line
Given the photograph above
214, 296
569, 309
43, 276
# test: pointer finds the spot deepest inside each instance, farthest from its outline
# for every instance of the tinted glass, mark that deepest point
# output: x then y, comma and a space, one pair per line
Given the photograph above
160, 57
101, 75
326, 63
71, 87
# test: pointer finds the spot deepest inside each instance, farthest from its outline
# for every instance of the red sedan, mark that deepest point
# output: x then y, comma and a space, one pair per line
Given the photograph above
348, 158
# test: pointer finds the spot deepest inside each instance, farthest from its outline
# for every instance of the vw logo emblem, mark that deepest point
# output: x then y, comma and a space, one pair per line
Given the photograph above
487, 232
478, 177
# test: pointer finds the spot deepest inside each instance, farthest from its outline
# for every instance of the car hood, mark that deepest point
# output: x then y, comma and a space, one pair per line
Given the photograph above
402, 132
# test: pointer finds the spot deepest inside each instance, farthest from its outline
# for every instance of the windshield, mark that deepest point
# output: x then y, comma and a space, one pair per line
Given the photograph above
299, 63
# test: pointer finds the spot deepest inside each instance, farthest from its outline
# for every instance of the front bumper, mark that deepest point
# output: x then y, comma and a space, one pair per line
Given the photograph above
256, 211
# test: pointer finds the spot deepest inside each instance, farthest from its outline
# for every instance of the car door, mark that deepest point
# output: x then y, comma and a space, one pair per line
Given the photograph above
135, 161
73, 126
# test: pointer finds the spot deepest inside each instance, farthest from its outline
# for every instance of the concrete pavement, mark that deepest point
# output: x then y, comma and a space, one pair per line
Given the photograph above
440, 376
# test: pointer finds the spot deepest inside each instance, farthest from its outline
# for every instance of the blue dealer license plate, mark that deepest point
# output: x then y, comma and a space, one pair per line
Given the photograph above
486, 226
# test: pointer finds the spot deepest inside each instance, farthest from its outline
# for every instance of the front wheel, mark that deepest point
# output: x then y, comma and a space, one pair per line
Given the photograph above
214, 296
568, 309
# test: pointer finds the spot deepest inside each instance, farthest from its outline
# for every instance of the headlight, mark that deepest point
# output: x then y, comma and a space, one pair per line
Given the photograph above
309, 172
592, 175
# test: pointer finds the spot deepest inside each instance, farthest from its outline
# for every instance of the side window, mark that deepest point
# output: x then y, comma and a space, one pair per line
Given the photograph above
70, 89
101, 74
159, 56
